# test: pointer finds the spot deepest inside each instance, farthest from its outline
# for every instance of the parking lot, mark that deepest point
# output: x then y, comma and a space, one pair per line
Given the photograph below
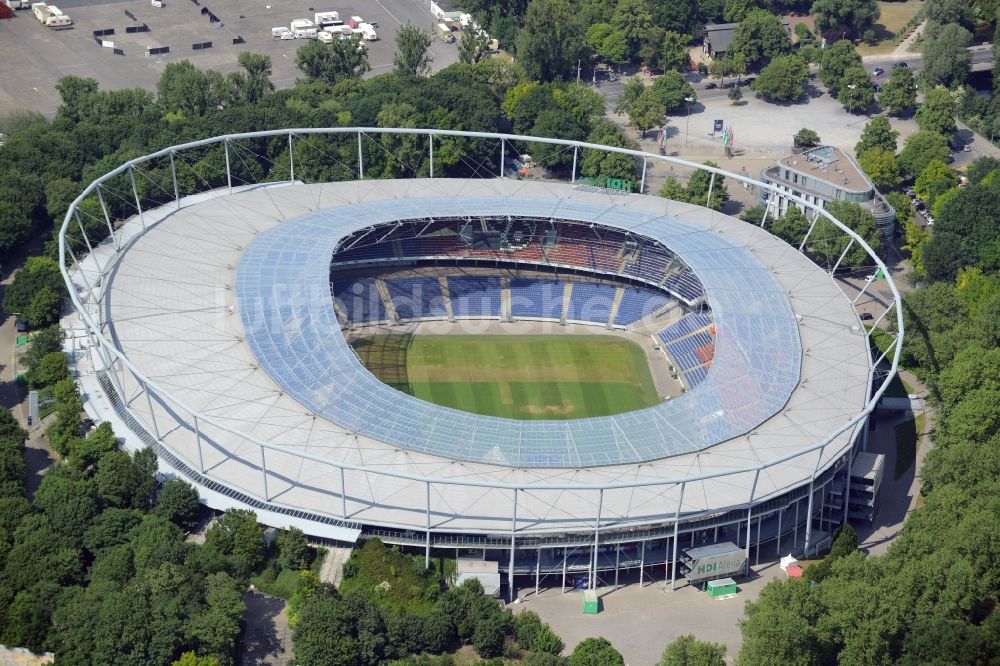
35, 57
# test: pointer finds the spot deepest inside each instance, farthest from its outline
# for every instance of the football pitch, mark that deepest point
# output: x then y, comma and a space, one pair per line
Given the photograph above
515, 376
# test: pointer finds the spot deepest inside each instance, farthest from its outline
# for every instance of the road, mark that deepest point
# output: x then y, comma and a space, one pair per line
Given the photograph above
981, 59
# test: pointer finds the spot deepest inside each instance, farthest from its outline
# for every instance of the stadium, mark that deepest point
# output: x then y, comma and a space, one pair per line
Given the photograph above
569, 380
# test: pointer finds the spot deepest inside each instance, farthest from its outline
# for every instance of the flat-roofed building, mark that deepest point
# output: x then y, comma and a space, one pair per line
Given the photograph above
821, 175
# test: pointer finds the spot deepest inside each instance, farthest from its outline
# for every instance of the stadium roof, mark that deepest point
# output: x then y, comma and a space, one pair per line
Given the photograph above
170, 306
294, 333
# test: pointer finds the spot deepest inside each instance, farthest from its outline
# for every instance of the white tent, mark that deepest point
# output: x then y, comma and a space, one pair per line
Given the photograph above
788, 561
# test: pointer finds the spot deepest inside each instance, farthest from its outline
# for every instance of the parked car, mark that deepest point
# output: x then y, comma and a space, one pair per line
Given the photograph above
866, 316
21, 327
900, 64
967, 148
919, 205
877, 88
711, 86
747, 81
878, 71
908, 191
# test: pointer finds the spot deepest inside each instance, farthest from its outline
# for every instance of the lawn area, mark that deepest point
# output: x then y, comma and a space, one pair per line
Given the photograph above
892, 18
515, 376
907, 433
279, 582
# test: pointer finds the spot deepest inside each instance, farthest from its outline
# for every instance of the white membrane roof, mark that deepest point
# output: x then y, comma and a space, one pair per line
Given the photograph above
170, 304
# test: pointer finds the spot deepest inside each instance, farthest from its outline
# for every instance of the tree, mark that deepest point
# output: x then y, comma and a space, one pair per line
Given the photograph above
473, 45
254, 82
776, 628
723, 67
295, 551
760, 37
737, 10
878, 133
783, 79
881, 166
807, 138
178, 502
827, 242
977, 172
854, 15
551, 41
673, 92
559, 124
595, 652
647, 111
43, 343
238, 536
790, 227
37, 274
341, 59
67, 500
686, 650
631, 19
735, 95
698, 185
675, 52
836, 60
51, 370
186, 91
856, 92
934, 180
631, 89
44, 308
602, 164
937, 113
972, 220
946, 58
613, 48
899, 94
488, 636
218, 626
412, 57
190, 658
920, 149
547, 642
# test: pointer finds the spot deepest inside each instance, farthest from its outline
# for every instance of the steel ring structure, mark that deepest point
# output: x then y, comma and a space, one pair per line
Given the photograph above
204, 326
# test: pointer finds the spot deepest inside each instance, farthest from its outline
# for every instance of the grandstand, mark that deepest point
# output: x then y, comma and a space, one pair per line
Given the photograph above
243, 383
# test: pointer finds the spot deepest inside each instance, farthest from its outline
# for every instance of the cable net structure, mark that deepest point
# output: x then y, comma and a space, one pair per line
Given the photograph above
205, 325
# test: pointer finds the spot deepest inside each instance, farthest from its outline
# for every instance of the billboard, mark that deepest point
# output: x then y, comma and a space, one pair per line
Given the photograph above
716, 561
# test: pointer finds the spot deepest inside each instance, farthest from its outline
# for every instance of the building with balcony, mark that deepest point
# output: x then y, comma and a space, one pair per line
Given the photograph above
821, 175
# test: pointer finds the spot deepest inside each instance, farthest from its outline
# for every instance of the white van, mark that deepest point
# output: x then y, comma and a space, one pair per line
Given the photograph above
306, 33
276, 33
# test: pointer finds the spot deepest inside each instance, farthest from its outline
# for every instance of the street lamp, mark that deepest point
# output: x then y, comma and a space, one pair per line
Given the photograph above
687, 121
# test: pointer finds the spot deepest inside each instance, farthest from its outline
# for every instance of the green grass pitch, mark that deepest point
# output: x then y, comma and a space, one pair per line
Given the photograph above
515, 376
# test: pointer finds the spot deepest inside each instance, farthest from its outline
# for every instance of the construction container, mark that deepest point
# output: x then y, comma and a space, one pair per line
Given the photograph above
723, 587
590, 603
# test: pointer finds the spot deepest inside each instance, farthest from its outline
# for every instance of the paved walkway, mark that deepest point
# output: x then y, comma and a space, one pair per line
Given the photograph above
897, 497
267, 638
641, 621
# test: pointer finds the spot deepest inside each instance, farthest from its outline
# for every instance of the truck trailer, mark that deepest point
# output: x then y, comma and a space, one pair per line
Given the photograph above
51, 16
324, 19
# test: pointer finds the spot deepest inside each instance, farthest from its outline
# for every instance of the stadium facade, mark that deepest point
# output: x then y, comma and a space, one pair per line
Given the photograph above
208, 326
